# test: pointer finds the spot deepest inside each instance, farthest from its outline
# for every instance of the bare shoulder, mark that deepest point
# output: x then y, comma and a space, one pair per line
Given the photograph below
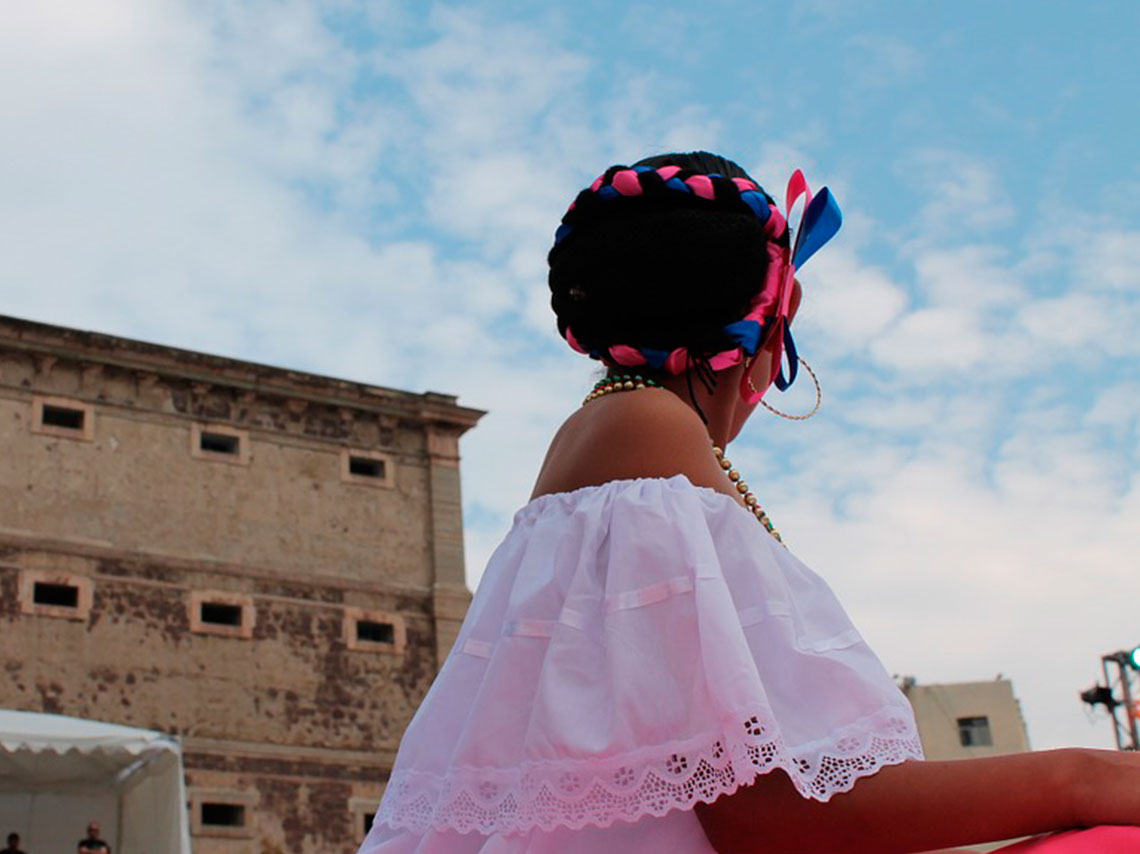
648, 433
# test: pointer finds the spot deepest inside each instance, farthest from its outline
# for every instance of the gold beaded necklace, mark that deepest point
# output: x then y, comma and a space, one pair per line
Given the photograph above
749, 498
631, 382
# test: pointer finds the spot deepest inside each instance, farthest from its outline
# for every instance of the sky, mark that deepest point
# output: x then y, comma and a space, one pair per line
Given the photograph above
369, 189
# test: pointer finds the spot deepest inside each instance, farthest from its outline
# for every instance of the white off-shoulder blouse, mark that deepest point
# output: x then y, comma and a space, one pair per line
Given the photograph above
634, 648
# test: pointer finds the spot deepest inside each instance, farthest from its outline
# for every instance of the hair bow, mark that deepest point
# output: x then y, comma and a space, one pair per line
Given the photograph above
820, 220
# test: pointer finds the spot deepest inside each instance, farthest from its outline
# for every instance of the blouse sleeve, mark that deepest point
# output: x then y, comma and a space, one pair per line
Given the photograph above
632, 649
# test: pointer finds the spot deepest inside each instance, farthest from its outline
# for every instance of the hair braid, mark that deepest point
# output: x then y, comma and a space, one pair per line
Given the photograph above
657, 258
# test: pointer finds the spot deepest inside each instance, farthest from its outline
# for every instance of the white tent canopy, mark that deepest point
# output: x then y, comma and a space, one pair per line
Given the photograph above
57, 773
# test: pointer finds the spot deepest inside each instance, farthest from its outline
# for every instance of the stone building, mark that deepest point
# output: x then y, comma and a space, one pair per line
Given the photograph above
267, 563
960, 720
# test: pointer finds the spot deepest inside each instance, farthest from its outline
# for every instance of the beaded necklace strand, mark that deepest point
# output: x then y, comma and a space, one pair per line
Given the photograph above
625, 382
749, 498
631, 382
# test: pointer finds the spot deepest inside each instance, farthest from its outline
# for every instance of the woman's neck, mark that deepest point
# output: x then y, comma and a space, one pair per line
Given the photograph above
719, 406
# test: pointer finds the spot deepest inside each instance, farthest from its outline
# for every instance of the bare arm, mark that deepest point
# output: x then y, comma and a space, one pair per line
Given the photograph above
918, 806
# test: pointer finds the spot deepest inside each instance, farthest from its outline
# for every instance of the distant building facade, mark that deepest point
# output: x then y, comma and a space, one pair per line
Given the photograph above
267, 563
967, 719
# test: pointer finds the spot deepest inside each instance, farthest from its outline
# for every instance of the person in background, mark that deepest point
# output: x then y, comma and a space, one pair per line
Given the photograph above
13, 844
92, 843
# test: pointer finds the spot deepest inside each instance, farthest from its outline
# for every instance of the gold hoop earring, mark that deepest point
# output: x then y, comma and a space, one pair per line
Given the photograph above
775, 411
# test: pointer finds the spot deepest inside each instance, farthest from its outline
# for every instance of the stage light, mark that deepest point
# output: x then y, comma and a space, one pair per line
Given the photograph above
1099, 695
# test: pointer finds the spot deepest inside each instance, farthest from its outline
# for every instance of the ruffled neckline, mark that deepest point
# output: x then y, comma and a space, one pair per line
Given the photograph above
578, 496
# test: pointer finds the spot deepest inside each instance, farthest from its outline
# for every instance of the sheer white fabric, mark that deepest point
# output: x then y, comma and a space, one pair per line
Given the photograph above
634, 648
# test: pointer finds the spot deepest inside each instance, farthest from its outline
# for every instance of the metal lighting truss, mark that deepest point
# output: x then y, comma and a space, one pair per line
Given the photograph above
1119, 696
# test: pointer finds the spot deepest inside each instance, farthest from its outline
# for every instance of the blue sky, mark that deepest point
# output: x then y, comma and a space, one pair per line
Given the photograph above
369, 189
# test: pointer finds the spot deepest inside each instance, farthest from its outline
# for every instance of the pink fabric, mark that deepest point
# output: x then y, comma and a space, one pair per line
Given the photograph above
775, 224
627, 356
667, 172
597, 185
766, 302
797, 186
573, 342
727, 359
626, 183
1096, 840
677, 361
744, 185
701, 185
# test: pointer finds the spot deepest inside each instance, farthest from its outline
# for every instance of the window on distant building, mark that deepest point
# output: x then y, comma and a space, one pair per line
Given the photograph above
60, 595
220, 614
363, 814
365, 466
63, 418
214, 612
219, 443
51, 594
374, 631
221, 813
975, 732
216, 814
369, 468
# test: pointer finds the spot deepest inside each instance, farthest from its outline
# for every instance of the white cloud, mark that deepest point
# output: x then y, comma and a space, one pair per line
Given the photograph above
979, 279
931, 340
964, 192
1117, 407
1110, 259
847, 304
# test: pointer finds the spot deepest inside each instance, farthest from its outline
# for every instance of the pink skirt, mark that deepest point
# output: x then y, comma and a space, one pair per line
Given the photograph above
1096, 840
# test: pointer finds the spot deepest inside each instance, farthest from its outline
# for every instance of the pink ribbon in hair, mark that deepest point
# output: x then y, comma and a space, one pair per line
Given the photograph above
819, 222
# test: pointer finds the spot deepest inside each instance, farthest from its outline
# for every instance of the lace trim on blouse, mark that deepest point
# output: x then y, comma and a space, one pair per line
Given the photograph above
577, 793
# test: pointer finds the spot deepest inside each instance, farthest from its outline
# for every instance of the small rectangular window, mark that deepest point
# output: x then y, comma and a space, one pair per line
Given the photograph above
383, 632
216, 814
222, 814
59, 595
372, 632
221, 614
219, 443
363, 812
366, 467
975, 732
54, 594
64, 417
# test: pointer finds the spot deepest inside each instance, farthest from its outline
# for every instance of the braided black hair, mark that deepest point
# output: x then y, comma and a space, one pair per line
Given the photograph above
660, 269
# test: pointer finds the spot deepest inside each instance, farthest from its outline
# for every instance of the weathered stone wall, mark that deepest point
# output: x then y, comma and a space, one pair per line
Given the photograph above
137, 486
296, 807
290, 714
134, 659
